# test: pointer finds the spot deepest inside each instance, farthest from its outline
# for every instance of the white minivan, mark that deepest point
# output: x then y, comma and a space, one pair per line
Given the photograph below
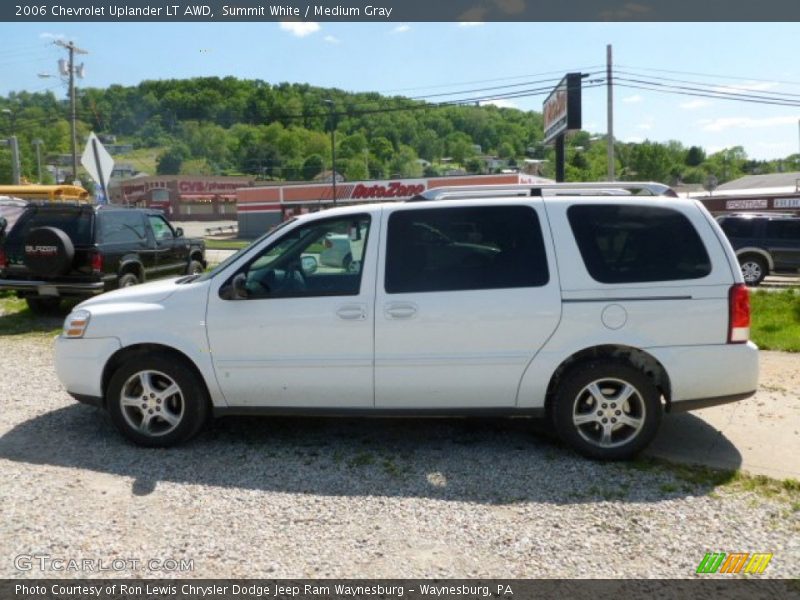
597, 310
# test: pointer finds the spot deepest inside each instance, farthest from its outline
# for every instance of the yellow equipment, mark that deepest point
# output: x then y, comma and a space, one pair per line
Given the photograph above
48, 193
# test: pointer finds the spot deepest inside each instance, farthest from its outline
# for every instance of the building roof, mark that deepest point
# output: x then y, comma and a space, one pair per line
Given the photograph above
790, 181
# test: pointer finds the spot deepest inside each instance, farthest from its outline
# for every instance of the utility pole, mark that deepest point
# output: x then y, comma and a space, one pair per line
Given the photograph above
610, 114
329, 102
38, 143
72, 49
12, 144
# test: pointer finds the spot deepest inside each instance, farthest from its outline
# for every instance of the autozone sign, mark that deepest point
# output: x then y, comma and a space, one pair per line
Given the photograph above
562, 108
393, 189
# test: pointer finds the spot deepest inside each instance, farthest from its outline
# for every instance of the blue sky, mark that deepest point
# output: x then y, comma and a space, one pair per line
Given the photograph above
428, 58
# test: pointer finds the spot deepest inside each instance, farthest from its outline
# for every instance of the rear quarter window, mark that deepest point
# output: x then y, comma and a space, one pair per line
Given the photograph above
636, 244
739, 228
76, 223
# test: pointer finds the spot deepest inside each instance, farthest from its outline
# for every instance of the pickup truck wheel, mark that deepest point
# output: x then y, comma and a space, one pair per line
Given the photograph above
607, 410
194, 268
127, 280
156, 401
754, 270
43, 306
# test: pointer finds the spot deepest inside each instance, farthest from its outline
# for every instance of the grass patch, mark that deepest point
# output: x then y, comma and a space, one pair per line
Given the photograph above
787, 490
17, 319
776, 320
212, 244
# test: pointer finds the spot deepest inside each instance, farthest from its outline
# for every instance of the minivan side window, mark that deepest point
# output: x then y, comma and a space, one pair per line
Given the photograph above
322, 258
120, 226
472, 248
633, 244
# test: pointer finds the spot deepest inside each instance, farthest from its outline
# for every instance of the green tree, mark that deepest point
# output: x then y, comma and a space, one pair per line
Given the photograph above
169, 162
313, 166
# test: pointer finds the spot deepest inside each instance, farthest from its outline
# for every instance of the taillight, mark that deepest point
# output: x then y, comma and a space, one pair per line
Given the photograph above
3, 259
97, 262
739, 314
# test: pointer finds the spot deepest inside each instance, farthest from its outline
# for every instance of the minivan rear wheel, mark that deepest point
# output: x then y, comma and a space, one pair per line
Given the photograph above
156, 400
607, 410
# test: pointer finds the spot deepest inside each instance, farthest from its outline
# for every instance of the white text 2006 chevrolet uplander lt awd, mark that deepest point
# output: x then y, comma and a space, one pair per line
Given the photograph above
592, 305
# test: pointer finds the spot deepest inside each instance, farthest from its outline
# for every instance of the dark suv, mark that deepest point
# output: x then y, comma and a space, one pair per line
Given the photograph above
764, 243
62, 250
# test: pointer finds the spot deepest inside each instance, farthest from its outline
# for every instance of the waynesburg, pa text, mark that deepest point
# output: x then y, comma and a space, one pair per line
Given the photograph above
274, 590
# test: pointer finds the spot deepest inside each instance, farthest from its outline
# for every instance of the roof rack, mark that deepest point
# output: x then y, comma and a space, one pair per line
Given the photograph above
599, 188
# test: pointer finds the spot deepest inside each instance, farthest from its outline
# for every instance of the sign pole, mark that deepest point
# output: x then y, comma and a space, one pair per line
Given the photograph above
560, 158
99, 168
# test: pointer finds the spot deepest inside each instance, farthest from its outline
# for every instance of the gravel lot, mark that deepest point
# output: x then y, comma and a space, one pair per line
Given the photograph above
351, 498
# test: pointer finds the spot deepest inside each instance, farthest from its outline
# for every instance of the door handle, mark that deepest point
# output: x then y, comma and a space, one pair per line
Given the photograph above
352, 312
400, 310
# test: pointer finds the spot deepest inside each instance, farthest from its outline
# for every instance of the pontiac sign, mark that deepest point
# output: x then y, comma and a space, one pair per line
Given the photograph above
562, 108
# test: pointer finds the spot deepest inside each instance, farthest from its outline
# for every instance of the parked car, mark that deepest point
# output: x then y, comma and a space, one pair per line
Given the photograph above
764, 243
599, 312
60, 250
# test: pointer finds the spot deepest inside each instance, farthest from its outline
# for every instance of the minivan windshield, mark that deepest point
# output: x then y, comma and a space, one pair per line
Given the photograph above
221, 266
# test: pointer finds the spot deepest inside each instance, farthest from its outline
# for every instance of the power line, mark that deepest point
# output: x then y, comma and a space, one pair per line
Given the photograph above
476, 81
714, 75
718, 88
692, 91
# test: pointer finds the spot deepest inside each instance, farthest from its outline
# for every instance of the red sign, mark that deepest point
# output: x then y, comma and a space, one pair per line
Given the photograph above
393, 189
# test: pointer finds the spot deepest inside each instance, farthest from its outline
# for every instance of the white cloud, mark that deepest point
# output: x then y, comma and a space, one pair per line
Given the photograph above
500, 103
471, 23
694, 104
632, 99
332, 39
645, 126
723, 123
754, 86
401, 28
300, 29
46, 35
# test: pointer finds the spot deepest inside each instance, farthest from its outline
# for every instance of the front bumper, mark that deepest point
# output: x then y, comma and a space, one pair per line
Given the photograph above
52, 289
80, 363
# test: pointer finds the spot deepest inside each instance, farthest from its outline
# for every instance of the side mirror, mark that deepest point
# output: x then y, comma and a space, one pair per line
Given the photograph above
179, 232
309, 265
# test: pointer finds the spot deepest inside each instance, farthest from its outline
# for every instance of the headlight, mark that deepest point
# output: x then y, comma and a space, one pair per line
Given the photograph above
76, 323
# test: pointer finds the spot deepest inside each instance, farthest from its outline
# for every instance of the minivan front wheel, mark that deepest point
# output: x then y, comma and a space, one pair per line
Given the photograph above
156, 401
607, 410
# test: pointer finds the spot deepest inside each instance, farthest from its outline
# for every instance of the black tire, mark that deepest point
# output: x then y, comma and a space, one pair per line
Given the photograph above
195, 267
48, 252
44, 306
127, 280
754, 269
188, 407
574, 402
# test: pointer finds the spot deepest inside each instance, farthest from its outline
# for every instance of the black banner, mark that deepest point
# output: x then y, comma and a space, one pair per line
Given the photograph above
400, 10
385, 589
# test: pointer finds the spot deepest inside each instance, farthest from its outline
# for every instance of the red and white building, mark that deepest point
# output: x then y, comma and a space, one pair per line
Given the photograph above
260, 208
185, 197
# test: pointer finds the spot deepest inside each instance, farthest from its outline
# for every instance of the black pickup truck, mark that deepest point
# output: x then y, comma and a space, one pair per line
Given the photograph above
54, 251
